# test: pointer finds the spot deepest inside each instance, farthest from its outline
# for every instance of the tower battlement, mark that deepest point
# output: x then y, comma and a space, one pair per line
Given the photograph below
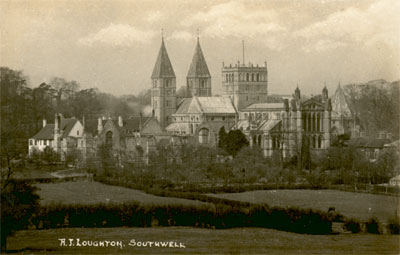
245, 84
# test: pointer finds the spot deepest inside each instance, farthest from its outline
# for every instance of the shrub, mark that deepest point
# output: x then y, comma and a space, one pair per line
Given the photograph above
221, 215
394, 226
353, 225
373, 226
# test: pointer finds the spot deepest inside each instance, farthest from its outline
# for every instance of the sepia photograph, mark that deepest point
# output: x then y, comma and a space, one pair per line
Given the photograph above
200, 126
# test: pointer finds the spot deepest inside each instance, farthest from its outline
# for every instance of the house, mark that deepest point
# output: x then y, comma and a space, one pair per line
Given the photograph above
395, 181
370, 147
131, 140
62, 136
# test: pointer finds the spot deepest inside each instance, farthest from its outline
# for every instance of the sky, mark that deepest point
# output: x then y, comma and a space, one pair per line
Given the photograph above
113, 45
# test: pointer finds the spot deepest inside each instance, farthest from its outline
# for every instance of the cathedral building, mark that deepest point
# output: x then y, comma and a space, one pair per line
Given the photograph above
281, 126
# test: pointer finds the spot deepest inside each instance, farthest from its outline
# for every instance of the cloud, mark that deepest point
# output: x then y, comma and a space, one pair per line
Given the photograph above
377, 24
117, 35
181, 36
153, 17
323, 45
238, 19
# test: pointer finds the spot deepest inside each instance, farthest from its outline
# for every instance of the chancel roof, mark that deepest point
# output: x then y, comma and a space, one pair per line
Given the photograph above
340, 105
266, 106
206, 105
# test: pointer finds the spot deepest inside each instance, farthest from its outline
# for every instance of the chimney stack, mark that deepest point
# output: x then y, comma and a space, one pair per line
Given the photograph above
140, 121
56, 123
99, 125
120, 122
44, 122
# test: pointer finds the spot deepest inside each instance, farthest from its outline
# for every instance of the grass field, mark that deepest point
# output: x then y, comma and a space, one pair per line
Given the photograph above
202, 241
90, 192
351, 204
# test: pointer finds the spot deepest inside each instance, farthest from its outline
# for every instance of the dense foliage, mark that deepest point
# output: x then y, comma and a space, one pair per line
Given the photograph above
18, 203
376, 104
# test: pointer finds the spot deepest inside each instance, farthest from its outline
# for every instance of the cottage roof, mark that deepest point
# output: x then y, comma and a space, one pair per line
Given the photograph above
366, 142
92, 124
163, 67
47, 132
130, 125
396, 178
395, 144
198, 67
66, 126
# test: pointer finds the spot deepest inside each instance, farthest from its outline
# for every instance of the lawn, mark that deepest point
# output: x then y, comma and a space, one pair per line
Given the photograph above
351, 204
91, 192
201, 241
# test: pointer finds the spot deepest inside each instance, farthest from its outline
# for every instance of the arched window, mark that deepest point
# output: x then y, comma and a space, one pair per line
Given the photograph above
226, 78
318, 123
259, 140
258, 77
309, 122
247, 76
202, 84
319, 142
204, 136
313, 122
109, 139
166, 83
278, 145
254, 140
252, 77
313, 142
232, 77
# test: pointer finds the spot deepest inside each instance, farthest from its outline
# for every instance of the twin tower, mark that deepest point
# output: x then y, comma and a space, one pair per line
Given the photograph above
244, 84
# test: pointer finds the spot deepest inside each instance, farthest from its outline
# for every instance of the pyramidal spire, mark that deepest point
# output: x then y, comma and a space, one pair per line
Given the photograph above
163, 67
198, 67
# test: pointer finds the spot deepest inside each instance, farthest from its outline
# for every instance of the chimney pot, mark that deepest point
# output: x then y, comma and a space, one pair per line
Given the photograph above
44, 122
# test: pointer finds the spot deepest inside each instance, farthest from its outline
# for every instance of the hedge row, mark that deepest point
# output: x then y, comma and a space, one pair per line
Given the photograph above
372, 226
217, 216
237, 188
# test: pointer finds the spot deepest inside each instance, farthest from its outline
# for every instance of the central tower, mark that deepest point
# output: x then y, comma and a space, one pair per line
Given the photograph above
245, 84
198, 78
163, 92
